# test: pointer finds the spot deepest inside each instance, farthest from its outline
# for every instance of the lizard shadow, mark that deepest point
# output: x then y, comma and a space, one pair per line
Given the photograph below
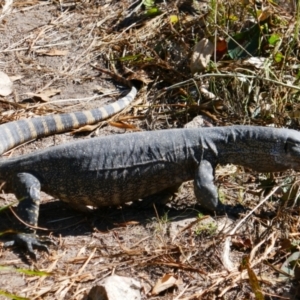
62, 221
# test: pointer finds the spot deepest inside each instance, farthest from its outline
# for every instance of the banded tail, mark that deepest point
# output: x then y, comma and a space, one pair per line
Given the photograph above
18, 132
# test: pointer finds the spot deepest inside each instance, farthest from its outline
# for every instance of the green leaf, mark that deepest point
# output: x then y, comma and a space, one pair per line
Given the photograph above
233, 18
152, 12
12, 296
273, 39
25, 271
7, 206
278, 57
130, 57
10, 231
149, 3
174, 19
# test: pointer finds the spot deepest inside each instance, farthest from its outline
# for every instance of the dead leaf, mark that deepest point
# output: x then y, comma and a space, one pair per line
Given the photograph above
164, 283
286, 244
257, 62
241, 243
265, 14
6, 85
85, 277
86, 128
6, 8
140, 75
124, 224
45, 95
221, 47
295, 114
201, 55
123, 125
131, 252
253, 280
52, 52
103, 90
16, 77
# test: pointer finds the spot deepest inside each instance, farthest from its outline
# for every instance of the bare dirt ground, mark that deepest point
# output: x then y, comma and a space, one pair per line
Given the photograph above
54, 45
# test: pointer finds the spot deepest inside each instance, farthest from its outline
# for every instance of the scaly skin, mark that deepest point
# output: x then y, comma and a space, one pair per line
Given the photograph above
116, 169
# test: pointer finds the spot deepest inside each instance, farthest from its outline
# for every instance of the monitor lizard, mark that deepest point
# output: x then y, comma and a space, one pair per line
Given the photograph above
112, 170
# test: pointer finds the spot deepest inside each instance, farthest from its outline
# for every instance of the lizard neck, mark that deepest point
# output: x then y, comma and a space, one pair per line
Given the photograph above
259, 148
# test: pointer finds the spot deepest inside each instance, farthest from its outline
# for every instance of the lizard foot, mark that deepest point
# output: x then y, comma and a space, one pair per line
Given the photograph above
235, 211
30, 240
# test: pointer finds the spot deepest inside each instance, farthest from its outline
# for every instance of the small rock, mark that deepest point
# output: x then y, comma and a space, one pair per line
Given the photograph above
199, 121
115, 288
6, 85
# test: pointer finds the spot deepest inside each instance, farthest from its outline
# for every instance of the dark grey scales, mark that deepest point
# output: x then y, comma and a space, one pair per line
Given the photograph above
116, 169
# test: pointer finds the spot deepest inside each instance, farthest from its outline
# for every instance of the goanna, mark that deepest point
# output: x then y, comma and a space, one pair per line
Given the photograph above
112, 170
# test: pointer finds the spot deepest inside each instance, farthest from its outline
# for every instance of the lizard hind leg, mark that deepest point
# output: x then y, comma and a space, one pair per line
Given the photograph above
27, 190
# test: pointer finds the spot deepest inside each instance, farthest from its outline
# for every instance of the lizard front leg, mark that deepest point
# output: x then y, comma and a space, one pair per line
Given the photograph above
27, 190
205, 190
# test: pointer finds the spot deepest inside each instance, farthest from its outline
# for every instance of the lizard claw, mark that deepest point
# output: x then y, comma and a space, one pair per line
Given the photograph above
29, 241
235, 211
230, 210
